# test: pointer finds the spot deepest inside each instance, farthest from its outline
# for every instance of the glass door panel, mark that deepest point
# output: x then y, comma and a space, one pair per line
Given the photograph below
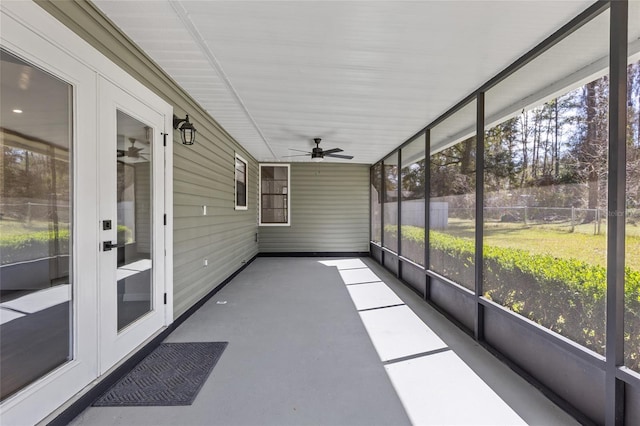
131, 206
134, 212
36, 193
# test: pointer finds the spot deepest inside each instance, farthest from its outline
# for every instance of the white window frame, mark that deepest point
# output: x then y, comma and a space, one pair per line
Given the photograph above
246, 183
288, 166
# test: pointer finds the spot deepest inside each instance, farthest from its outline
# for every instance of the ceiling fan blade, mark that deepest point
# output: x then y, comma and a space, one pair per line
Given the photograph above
121, 153
297, 155
299, 150
331, 151
346, 157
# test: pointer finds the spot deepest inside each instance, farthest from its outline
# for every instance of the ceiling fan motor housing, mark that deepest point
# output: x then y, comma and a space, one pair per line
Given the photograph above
317, 153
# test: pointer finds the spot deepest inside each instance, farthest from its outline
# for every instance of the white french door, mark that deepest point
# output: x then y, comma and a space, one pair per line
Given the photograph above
132, 199
93, 170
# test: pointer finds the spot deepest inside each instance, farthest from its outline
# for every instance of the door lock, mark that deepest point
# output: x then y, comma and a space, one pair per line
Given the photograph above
108, 245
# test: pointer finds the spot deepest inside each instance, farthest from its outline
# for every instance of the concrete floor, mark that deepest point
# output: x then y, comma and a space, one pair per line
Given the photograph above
300, 353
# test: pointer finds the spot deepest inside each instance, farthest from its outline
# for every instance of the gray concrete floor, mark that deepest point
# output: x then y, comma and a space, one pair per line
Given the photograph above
299, 354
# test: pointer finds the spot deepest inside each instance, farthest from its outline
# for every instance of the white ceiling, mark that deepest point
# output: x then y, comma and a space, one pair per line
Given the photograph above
362, 75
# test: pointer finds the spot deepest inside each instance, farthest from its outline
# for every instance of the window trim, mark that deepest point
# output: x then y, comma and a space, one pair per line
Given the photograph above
288, 166
235, 183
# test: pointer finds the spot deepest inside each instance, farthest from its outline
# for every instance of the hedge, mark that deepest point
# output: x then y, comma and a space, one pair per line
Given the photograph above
35, 245
563, 294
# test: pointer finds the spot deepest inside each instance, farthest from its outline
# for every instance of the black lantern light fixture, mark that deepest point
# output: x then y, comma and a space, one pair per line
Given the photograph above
187, 131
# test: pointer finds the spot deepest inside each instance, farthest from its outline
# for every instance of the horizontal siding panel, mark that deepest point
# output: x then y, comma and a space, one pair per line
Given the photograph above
188, 188
329, 210
193, 235
202, 176
190, 263
215, 206
189, 183
187, 167
215, 209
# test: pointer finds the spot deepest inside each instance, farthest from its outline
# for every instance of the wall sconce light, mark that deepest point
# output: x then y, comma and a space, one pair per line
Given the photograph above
187, 131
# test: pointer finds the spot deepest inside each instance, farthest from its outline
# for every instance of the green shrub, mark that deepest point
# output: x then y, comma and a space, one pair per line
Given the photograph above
125, 235
33, 245
565, 295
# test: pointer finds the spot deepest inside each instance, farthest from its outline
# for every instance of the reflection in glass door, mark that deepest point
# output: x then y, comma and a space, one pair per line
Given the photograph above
134, 225
36, 193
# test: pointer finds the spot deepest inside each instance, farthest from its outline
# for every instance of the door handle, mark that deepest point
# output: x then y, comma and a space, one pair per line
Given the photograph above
108, 245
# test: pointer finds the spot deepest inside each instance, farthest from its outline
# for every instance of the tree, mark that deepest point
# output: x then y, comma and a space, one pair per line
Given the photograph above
591, 142
413, 180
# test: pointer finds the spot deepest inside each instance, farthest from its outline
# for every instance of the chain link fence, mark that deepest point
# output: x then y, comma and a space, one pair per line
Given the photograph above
561, 218
28, 211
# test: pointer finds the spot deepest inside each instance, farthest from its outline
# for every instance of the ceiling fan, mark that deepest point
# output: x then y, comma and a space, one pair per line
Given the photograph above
318, 154
132, 152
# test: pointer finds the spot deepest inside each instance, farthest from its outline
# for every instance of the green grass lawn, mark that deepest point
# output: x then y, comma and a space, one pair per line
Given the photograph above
581, 244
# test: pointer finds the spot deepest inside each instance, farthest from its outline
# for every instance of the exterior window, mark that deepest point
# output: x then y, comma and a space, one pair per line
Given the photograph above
241, 178
274, 195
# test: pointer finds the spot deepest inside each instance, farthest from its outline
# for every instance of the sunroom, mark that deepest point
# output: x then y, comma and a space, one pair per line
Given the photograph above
260, 172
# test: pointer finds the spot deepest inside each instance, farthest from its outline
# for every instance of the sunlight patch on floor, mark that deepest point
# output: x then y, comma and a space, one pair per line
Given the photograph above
396, 332
373, 295
455, 395
39, 300
358, 276
431, 381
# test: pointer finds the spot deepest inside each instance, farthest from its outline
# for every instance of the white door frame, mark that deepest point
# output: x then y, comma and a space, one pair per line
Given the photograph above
116, 345
32, 34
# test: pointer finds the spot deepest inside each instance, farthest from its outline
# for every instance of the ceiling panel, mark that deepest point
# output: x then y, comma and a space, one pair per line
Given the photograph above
362, 75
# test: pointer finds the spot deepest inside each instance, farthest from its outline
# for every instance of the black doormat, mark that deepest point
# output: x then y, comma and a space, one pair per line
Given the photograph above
172, 374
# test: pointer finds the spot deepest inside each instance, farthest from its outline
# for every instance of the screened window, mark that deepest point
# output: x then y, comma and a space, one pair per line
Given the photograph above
452, 200
241, 183
390, 205
412, 200
274, 194
376, 202
545, 190
632, 222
